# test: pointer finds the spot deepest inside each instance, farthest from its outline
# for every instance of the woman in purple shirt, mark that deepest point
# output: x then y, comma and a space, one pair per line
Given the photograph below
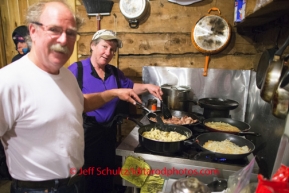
95, 74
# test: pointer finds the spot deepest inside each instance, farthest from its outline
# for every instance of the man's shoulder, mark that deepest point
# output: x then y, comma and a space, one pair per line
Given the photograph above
85, 62
16, 57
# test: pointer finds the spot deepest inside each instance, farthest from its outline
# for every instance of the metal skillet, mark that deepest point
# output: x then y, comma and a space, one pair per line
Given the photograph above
217, 136
178, 114
273, 74
244, 127
160, 147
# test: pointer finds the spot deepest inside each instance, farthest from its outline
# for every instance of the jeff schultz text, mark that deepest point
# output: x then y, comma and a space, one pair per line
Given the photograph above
143, 171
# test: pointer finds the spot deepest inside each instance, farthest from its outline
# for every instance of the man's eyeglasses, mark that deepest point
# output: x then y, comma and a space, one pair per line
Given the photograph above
56, 31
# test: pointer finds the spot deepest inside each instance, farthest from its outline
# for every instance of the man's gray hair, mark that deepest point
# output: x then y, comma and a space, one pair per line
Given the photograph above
34, 12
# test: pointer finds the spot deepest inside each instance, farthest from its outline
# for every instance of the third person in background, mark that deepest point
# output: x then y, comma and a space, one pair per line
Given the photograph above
20, 39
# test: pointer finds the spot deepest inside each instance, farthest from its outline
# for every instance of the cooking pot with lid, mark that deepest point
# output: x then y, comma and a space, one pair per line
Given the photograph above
176, 97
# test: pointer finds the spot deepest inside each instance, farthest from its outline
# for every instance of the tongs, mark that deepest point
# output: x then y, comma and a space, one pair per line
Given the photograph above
166, 111
143, 107
160, 122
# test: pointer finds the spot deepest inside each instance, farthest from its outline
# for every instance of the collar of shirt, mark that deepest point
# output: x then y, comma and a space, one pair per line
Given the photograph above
107, 69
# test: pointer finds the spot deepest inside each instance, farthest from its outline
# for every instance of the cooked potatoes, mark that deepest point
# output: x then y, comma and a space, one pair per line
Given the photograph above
226, 147
221, 126
156, 134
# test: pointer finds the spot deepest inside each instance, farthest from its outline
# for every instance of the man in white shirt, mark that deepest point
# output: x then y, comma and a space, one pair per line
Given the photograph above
41, 106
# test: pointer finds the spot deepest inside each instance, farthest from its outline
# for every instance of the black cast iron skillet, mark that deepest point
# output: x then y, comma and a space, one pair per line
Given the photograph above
218, 185
169, 148
218, 103
244, 127
161, 147
217, 136
264, 62
179, 114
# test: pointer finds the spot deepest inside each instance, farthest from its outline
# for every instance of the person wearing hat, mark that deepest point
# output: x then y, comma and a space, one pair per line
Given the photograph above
41, 105
19, 36
95, 74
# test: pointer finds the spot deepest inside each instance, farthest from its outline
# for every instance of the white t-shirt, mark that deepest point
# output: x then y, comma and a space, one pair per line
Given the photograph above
40, 121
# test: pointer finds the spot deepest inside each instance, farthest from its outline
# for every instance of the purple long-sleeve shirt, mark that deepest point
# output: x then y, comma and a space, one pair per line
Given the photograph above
93, 83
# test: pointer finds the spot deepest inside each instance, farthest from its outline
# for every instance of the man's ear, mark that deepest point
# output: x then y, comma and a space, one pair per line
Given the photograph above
32, 31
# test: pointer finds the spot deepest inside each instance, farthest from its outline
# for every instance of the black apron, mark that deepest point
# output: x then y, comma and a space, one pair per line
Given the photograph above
99, 155
100, 144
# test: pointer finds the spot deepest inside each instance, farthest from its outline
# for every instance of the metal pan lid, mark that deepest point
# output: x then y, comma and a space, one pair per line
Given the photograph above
175, 87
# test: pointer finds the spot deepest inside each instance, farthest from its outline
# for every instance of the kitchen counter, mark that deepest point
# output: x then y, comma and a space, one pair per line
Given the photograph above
126, 148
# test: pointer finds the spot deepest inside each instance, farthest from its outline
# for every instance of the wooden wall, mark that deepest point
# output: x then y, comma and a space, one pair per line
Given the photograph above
12, 14
162, 39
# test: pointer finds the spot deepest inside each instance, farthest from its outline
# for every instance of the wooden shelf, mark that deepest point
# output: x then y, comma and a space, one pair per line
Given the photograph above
269, 12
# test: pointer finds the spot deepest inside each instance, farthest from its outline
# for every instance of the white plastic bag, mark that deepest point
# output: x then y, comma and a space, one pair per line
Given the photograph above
239, 181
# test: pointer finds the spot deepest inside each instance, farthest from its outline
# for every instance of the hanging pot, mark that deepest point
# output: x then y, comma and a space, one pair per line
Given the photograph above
210, 35
134, 11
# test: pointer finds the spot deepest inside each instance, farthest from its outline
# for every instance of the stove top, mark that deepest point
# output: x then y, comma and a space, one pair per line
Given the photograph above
190, 159
193, 152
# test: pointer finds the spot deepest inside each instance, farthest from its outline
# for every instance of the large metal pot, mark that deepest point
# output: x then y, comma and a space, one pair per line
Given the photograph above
176, 97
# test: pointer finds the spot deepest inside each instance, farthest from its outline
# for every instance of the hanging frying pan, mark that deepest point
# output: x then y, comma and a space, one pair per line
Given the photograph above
264, 62
280, 100
273, 74
210, 35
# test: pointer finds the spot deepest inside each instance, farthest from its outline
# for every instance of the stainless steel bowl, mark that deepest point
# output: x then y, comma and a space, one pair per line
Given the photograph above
189, 185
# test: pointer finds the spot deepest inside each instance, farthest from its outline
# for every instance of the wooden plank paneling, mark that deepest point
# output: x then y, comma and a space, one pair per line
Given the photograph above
132, 65
3, 60
163, 39
165, 43
163, 17
73, 58
8, 23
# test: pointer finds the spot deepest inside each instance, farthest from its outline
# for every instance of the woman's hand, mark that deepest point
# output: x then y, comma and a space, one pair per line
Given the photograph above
155, 90
96, 100
128, 95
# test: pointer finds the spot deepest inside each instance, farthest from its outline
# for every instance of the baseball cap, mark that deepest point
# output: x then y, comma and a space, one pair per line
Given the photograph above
107, 35
18, 38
